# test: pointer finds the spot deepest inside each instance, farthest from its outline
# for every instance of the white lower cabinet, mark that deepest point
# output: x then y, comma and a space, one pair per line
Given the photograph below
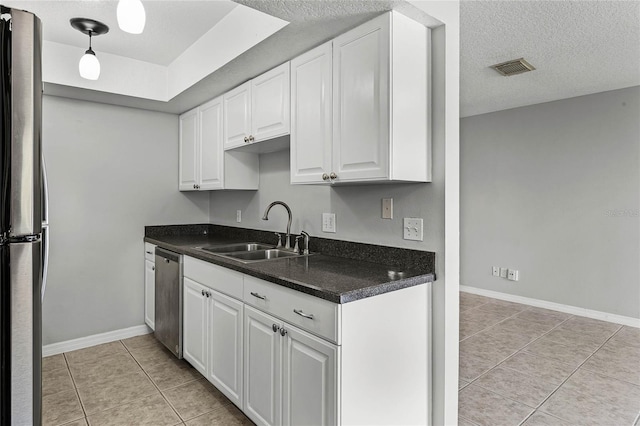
212, 337
289, 358
290, 375
150, 285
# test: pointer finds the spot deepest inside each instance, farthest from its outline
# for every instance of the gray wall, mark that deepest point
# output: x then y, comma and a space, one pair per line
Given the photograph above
553, 191
111, 171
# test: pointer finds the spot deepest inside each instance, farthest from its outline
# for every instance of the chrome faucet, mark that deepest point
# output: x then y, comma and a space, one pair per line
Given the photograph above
306, 242
287, 244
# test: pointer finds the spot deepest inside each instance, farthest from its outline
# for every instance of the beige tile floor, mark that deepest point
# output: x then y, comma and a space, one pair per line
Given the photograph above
521, 365
130, 382
518, 366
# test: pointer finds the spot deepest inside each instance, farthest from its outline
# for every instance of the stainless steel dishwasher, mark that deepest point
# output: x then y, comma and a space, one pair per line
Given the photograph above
168, 319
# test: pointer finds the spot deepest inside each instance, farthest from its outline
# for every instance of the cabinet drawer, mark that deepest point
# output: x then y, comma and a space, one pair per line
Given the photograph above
150, 252
284, 303
216, 277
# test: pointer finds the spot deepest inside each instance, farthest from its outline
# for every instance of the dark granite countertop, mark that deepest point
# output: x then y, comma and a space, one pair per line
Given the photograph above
334, 278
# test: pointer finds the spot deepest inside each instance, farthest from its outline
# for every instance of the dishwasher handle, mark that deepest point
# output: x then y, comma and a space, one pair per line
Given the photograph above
167, 255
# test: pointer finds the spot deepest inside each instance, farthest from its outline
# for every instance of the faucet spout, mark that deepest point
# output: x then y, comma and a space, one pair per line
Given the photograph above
266, 217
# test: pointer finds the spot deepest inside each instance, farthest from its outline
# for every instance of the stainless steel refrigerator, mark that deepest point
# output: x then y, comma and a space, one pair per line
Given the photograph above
21, 216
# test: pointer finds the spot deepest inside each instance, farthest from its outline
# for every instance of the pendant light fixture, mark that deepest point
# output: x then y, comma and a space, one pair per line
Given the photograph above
131, 16
89, 65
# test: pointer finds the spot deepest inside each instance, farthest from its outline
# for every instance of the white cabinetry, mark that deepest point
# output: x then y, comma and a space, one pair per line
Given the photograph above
150, 285
203, 163
258, 110
311, 106
290, 375
288, 358
380, 111
212, 321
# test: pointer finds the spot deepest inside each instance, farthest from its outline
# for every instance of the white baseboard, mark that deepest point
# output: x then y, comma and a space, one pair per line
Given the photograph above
96, 339
574, 310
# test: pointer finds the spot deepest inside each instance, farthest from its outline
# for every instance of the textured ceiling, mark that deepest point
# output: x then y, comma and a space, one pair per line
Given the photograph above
171, 27
577, 47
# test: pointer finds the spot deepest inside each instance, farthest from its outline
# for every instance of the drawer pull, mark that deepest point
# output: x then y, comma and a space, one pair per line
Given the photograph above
302, 314
258, 296
149, 252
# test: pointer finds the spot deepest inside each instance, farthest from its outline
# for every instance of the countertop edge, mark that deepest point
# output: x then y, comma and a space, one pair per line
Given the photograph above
339, 298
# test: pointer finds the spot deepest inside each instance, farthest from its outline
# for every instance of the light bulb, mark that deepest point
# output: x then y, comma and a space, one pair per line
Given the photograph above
131, 16
89, 66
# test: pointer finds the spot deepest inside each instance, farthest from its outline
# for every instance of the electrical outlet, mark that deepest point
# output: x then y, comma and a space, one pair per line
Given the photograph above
329, 222
413, 229
238, 216
495, 271
503, 272
387, 208
512, 274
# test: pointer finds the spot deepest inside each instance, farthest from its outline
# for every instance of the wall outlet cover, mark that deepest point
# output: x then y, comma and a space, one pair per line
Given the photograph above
387, 208
503, 272
329, 222
495, 271
412, 228
238, 216
512, 274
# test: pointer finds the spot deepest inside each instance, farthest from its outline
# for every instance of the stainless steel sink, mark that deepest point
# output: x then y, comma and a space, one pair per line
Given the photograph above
255, 256
233, 248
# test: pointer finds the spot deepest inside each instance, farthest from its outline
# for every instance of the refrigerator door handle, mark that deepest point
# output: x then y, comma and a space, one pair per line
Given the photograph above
45, 260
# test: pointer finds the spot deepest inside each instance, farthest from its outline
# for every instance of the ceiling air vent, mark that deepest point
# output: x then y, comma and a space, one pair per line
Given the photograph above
516, 66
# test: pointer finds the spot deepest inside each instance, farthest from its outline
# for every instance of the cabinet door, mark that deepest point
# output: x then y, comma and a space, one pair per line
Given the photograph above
150, 293
311, 105
309, 385
188, 170
361, 102
237, 115
270, 104
262, 367
194, 326
210, 153
225, 345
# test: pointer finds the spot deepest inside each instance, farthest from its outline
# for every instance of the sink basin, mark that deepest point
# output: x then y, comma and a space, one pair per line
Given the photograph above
258, 255
233, 248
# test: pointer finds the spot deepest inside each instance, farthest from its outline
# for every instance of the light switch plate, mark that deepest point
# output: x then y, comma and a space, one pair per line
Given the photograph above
412, 228
387, 208
238, 216
329, 222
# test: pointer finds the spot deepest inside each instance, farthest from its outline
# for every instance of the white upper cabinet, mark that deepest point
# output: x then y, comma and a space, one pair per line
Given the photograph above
211, 153
311, 106
380, 111
259, 109
188, 167
237, 116
204, 165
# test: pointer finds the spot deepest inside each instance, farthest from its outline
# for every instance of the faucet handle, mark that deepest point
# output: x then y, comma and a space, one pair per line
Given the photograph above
296, 248
279, 239
306, 237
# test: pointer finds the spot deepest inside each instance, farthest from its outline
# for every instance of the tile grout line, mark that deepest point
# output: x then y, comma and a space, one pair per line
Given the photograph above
493, 325
75, 387
154, 383
571, 375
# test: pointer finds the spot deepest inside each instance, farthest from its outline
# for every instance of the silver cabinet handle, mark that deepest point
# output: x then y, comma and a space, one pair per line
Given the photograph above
325, 176
258, 296
153, 268
246, 139
251, 138
333, 176
202, 292
208, 294
275, 328
302, 314
283, 332
149, 252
